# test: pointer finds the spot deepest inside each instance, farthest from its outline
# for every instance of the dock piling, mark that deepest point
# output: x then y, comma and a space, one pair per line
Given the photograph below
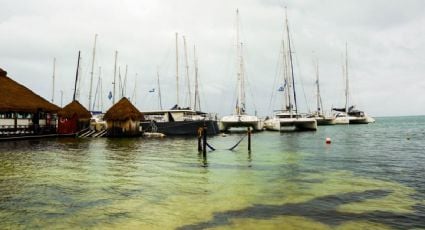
249, 139
204, 144
200, 133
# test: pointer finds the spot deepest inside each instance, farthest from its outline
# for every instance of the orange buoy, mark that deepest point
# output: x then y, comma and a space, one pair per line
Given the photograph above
328, 140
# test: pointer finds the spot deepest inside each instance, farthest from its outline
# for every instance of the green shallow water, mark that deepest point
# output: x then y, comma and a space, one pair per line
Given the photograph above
370, 177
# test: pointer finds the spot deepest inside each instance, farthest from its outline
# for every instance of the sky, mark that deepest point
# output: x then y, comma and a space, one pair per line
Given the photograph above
385, 38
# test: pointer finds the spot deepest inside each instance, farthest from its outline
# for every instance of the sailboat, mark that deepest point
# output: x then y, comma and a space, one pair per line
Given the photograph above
240, 118
180, 120
319, 115
349, 114
288, 118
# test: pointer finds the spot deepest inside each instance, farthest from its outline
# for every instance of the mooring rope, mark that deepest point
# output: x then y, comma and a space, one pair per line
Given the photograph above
231, 149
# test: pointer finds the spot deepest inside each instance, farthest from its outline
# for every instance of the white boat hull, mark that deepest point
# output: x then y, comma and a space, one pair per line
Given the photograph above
361, 120
238, 121
291, 124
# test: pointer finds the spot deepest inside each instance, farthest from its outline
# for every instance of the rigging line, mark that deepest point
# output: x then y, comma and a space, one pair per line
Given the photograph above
276, 76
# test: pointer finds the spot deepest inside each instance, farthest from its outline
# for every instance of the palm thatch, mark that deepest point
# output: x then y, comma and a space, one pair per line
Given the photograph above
74, 108
15, 97
123, 110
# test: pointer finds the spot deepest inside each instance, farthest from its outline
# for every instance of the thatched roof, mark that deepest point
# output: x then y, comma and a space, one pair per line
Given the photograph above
15, 97
122, 111
74, 108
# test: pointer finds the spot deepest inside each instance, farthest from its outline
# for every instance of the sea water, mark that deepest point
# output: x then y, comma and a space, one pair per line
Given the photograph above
369, 177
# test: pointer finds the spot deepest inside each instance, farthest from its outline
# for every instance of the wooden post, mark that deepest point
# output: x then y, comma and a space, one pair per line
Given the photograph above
249, 139
200, 133
204, 144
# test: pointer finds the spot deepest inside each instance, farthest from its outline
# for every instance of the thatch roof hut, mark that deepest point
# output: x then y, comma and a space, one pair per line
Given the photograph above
15, 97
74, 108
123, 119
73, 118
123, 110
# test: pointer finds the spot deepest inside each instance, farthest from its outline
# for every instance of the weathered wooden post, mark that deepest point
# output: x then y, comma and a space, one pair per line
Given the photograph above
200, 133
249, 139
204, 144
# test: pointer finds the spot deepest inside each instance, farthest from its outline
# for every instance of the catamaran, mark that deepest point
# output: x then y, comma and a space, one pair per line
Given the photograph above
349, 114
288, 118
240, 118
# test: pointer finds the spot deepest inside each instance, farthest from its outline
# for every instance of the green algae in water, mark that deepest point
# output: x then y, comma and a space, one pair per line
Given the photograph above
289, 181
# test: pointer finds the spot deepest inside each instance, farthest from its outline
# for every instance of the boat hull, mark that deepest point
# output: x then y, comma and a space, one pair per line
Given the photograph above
361, 120
325, 121
291, 124
189, 128
228, 122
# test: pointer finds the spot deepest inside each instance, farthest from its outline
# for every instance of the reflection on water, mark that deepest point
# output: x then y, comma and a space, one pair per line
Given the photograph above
371, 176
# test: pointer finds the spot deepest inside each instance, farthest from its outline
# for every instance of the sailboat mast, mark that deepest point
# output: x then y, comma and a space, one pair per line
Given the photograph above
187, 73
177, 68
134, 90
115, 77
239, 65
124, 83
91, 73
319, 99
346, 78
197, 103
53, 83
242, 74
76, 75
95, 94
159, 89
292, 66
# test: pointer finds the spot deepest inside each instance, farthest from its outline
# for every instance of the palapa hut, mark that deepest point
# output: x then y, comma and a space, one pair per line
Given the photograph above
22, 111
73, 118
123, 119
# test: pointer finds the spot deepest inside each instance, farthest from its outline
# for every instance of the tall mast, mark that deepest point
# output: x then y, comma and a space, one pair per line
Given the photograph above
101, 90
177, 68
319, 99
159, 89
53, 83
292, 67
91, 73
115, 77
96, 93
133, 97
187, 73
197, 103
124, 83
119, 82
242, 73
286, 81
76, 75
239, 66
346, 78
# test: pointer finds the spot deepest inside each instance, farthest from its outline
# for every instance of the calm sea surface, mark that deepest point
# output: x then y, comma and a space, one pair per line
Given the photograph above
370, 177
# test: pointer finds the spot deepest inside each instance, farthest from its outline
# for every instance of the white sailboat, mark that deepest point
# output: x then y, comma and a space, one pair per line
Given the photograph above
319, 114
288, 118
350, 115
240, 118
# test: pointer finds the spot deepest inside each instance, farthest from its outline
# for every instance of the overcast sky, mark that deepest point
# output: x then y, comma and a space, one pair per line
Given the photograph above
386, 50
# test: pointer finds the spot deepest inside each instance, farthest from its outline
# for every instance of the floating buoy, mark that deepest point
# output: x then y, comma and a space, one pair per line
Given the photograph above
328, 140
